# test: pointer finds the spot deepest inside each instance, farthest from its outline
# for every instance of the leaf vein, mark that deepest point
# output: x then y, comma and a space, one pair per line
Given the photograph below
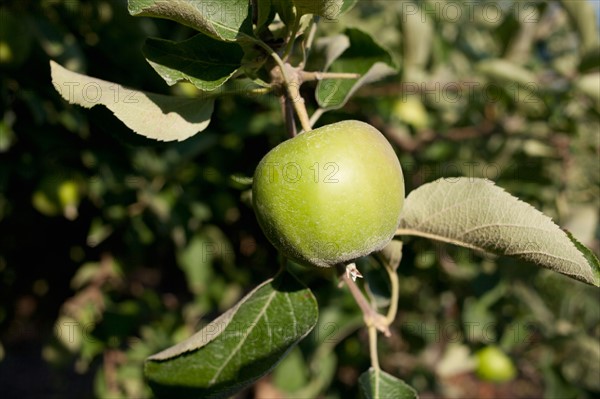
243, 339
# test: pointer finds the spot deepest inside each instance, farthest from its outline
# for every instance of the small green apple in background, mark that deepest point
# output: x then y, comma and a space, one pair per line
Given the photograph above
494, 365
410, 110
68, 195
330, 195
55, 195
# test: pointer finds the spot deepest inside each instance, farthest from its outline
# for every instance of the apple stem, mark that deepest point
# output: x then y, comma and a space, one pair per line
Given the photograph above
371, 317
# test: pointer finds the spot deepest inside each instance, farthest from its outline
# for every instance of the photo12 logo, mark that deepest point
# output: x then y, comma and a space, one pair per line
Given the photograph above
94, 93
293, 172
470, 11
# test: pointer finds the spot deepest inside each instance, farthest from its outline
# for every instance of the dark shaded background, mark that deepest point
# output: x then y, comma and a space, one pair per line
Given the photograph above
160, 239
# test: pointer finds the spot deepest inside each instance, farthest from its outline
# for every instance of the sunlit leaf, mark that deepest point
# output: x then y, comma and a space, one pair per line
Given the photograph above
328, 9
476, 214
154, 116
362, 56
227, 20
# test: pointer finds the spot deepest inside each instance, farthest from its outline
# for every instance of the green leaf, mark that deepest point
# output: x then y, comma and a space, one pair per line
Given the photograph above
347, 5
391, 255
584, 18
333, 46
328, 9
264, 14
155, 116
205, 62
227, 20
238, 347
285, 10
360, 55
474, 213
291, 374
375, 384
244, 181
589, 256
196, 262
336, 322
477, 314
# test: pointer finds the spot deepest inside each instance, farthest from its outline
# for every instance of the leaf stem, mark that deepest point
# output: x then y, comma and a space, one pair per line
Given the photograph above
312, 76
290, 43
309, 41
395, 288
316, 115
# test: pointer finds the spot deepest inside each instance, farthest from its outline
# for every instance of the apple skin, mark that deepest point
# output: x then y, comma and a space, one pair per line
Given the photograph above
330, 195
494, 365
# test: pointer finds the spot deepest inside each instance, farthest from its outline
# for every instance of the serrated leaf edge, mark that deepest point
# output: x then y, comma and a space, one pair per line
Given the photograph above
414, 232
190, 344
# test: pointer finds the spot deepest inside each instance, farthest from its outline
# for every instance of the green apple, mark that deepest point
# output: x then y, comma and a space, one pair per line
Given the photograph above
410, 110
331, 195
494, 365
68, 193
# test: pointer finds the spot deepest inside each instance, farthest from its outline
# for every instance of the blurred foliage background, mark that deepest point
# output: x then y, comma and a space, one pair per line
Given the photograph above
113, 247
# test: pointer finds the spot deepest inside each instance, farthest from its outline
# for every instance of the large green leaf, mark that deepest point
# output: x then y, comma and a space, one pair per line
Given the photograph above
202, 60
474, 213
360, 55
376, 384
227, 20
155, 116
239, 346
